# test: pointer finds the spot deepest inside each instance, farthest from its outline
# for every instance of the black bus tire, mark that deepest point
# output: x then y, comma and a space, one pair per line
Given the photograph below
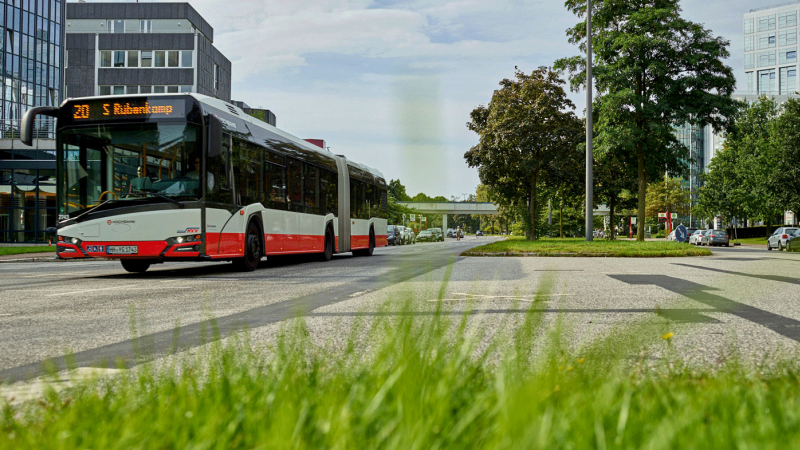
252, 249
135, 265
327, 254
367, 251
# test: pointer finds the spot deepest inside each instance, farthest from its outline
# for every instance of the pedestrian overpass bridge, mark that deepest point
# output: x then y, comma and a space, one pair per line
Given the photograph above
445, 208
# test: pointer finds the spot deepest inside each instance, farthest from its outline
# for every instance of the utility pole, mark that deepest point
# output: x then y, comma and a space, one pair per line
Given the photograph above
589, 158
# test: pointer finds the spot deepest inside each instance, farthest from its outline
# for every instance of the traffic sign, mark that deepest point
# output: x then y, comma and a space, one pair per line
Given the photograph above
673, 215
423, 219
413, 217
664, 215
680, 233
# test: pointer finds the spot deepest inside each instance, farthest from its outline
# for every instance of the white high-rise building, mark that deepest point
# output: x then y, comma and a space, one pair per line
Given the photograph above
770, 50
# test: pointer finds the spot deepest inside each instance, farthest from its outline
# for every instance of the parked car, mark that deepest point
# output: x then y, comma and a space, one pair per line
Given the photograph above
689, 232
426, 236
439, 234
694, 238
392, 234
671, 236
701, 239
451, 232
793, 243
716, 237
411, 237
479, 233
779, 237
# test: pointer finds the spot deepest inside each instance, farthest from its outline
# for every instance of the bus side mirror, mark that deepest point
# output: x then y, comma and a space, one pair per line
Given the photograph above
26, 131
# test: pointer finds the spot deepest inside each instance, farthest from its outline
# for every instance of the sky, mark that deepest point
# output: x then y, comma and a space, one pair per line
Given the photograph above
391, 83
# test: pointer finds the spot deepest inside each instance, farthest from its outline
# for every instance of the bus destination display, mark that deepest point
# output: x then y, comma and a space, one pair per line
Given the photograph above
127, 109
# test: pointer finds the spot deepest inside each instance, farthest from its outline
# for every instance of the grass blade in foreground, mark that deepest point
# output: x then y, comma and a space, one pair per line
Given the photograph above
423, 384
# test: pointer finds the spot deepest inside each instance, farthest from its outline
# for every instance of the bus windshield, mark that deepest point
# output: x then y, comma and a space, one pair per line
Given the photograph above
143, 162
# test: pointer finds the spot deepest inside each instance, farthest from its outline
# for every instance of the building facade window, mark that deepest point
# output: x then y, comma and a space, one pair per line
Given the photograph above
766, 59
788, 56
145, 26
766, 82
144, 89
766, 23
146, 58
788, 19
115, 26
788, 37
748, 26
749, 61
750, 82
788, 80
216, 76
748, 44
766, 41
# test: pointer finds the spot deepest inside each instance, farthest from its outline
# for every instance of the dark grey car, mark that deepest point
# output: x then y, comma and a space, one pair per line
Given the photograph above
716, 237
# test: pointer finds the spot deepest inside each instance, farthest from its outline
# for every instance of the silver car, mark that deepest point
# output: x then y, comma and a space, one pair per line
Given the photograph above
779, 237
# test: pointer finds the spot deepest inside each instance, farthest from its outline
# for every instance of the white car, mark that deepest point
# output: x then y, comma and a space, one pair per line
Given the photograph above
695, 237
779, 237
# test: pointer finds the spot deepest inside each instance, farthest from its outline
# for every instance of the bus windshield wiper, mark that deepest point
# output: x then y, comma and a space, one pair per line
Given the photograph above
162, 196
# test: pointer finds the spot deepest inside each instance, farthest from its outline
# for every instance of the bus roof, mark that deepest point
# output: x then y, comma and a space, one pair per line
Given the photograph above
232, 109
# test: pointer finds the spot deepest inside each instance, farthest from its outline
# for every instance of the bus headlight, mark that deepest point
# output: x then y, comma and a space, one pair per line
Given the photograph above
184, 239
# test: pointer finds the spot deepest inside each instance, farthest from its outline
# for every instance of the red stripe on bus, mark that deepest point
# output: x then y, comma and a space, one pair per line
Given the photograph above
294, 243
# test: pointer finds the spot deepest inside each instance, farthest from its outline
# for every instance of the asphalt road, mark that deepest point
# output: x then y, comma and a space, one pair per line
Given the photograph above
740, 299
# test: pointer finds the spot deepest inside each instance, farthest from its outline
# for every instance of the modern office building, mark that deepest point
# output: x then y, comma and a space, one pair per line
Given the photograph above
142, 48
770, 49
32, 41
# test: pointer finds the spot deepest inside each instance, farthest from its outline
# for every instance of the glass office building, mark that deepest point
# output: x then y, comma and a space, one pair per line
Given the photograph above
32, 41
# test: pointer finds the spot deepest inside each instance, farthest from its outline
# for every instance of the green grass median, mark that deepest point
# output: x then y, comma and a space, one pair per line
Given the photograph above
519, 246
23, 250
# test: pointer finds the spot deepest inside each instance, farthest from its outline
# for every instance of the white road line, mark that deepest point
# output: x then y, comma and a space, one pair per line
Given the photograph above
5, 315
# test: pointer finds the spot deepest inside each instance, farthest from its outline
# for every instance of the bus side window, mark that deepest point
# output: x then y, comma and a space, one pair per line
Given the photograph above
369, 201
275, 186
332, 194
295, 181
311, 189
246, 160
216, 165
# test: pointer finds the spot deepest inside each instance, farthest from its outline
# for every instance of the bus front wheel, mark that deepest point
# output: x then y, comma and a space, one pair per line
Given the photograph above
135, 265
252, 249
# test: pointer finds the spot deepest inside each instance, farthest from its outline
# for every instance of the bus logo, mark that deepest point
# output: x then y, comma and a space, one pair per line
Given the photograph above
189, 230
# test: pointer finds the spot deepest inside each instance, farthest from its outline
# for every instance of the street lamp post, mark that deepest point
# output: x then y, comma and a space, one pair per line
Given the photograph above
589, 159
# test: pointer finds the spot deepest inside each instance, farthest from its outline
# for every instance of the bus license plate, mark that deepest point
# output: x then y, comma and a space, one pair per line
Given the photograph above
123, 249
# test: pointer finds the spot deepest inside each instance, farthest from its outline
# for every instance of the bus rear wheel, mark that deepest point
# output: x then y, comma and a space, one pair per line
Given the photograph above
135, 265
328, 253
371, 249
252, 249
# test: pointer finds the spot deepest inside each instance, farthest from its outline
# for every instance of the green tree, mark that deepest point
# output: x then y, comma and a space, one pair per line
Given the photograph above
668, 195
398, 191
655, 70
525, 133
787, 169
743, 179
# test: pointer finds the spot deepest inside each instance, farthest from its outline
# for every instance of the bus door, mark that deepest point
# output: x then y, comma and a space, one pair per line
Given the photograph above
220, 206
344, 204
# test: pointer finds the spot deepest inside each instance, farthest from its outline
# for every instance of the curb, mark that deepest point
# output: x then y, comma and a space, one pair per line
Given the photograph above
30, 260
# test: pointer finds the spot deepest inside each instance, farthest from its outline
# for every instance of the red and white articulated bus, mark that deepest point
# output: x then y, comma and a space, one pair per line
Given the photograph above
185, 177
